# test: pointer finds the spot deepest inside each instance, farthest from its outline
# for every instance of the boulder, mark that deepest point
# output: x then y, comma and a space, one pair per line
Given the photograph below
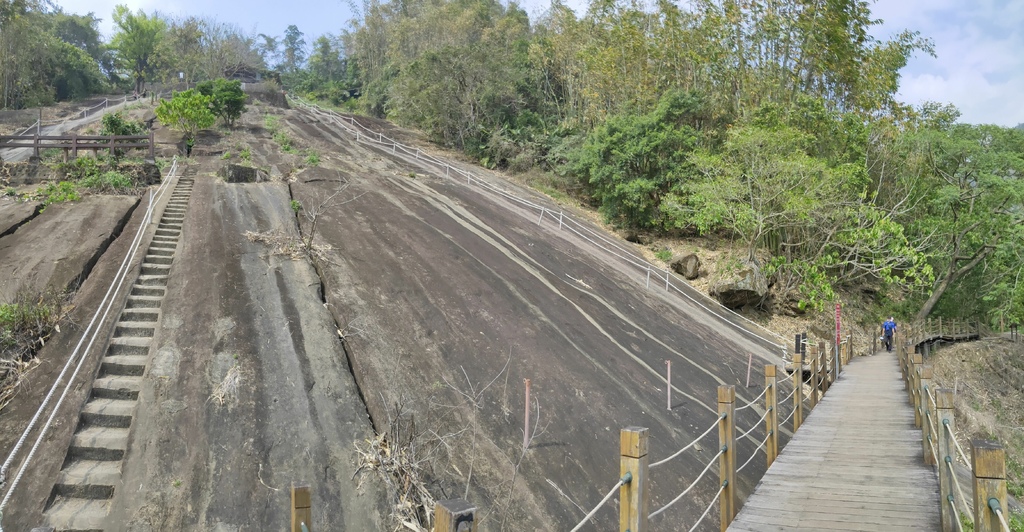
741, 285
688, 266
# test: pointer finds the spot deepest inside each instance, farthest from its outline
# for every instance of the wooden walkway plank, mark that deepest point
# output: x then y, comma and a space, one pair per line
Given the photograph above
855, 463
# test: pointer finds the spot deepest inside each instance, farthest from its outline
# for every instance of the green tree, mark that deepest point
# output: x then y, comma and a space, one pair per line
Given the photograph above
294, 53
135, 41
227, 98
187, 112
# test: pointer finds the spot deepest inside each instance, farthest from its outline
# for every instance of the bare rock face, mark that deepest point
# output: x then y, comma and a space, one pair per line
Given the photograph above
739, 286
237, 173
688, 266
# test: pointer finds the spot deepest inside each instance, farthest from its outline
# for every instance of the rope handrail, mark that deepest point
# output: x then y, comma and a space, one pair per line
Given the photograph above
710, 506
692, 484
753, 401
108, 302
788, 397
633, 259
593, 512
959, 450
956, 482
993, 504
789, 417
756, 425
691, 444
753, 454
956, 514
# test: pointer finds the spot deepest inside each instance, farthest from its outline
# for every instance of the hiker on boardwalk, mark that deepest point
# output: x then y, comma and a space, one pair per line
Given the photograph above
888, 329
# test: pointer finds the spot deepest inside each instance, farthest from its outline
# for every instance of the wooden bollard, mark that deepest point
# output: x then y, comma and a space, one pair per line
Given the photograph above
302, 508
823, 366
633, 495
911, 385
989, 464
727, 460
798, 394
944, 417
451, 514
813, 354
925, 377
771, 421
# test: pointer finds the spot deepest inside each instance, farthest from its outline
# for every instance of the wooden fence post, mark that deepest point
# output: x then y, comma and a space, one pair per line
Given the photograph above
727, 460
911, 384
916, 391
633, 496
771, 421
152, 146
823, 366
74, 145
813, 354
798, 394
452, 513
989, 464
302, 511
944, 417
924, 385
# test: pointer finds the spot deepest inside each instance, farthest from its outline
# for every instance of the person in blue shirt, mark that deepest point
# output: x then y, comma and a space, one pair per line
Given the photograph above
888, 329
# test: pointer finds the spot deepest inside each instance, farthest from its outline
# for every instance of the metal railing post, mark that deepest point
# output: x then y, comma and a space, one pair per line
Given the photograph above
988, 460
946, 426
633, 496
727, 460
771, 421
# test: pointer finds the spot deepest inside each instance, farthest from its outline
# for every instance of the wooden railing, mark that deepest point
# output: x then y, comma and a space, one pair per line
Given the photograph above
933, 414
73, 143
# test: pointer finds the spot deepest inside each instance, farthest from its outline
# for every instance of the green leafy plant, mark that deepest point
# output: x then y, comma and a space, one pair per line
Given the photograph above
296, 206
245, 154
664, 255
282, 140
187, 112
112, 181
312, 157
10, 191
271, 122
226, 156
61, 192
227, 98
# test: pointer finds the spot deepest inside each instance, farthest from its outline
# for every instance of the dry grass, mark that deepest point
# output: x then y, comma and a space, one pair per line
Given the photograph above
228, 388
289, 246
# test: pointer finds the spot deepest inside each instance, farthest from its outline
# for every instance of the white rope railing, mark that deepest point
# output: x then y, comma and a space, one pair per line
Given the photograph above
999, 513
956, 482
690, 487
789, 417
756, 450
753, 401
353, 126
708, 509
956, 514
105, 305
600, 504
959, 450
691, 444
756, 425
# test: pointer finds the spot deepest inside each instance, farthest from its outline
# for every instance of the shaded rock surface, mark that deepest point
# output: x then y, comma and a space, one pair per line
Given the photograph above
740, 286
688, 266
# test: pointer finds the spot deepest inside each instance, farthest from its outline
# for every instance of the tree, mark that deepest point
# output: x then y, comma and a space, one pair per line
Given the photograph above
136, 40
187, 112
227, 98
294, 50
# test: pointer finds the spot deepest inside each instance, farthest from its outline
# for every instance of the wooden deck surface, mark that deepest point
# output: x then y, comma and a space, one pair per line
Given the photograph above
855, 464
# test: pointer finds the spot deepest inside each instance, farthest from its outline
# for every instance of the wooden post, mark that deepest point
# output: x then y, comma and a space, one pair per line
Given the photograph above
633, 496
452, 514
915, 388
814, 375
74, 145
152, 145
35, 146
989, 464
302, 511
944, 417
915, 360
823, 366
771, 421
727, 460
798, 395
925, 384
39, 123
668, 384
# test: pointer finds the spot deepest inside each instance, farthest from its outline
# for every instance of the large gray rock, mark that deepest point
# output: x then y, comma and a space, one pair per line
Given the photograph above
740, 286
688, 266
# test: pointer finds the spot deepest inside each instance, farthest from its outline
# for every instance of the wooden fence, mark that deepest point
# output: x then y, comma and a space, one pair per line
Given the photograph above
933, 414
73, 143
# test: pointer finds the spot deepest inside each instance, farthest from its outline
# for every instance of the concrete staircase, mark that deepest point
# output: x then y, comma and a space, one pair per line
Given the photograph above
80, 499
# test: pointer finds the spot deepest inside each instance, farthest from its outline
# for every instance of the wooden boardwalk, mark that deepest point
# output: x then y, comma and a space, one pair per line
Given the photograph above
855, 464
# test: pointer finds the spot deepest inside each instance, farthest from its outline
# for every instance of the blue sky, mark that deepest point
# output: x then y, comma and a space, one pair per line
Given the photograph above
979, 43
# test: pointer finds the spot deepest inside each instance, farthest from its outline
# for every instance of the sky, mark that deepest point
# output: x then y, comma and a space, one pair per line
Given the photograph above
979, 44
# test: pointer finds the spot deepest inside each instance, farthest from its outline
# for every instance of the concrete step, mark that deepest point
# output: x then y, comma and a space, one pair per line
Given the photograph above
140, 302
158, 259
128, 346
151, 291
130, 329
104, 412
77, 515
160, 251
175, 211
88, 479
152, 280
117, 387
168, 227
155, 269
167, 232
99, 443
124, 364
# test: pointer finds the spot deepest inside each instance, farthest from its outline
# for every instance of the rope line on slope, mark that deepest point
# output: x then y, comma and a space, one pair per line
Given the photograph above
691, 444
690, 487
599, 505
